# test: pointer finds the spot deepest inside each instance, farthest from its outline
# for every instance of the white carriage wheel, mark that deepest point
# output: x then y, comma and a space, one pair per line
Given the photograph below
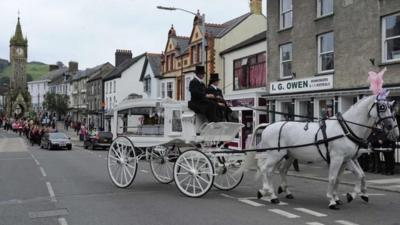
193, 173
162, 161
226, 168
122, 162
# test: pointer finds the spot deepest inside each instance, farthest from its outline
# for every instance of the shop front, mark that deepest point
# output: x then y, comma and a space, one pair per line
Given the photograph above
250, 110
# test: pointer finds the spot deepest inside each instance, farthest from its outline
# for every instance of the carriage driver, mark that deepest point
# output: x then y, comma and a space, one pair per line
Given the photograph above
199, 101
223, 109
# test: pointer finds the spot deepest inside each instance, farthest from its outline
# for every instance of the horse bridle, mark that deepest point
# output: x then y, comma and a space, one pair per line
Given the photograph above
381, 106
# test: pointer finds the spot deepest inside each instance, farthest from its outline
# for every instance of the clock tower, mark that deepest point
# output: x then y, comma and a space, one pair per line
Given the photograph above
18, 58
19, 98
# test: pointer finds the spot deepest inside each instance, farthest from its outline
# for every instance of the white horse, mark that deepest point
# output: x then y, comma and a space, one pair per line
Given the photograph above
345, 134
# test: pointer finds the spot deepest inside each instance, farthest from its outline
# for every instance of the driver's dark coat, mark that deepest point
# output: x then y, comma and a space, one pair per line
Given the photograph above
198, 102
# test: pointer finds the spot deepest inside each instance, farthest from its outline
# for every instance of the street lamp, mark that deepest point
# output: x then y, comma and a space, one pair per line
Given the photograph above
203, 29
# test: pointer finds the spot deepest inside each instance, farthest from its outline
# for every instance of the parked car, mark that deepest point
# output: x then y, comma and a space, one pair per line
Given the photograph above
55, 140
101, 139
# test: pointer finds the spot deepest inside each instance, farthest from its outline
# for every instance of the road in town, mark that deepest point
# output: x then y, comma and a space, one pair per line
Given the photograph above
72, 187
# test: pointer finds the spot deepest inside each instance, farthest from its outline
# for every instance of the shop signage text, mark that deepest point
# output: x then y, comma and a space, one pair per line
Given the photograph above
302, 85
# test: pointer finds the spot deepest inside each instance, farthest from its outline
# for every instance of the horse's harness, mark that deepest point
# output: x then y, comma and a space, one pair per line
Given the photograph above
344, 124
347, 131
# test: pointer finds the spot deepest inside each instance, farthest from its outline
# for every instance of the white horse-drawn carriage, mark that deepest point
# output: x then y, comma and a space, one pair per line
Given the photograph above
184, 148
178, 144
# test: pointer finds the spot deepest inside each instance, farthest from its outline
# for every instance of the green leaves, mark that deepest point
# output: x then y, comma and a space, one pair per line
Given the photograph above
56, 103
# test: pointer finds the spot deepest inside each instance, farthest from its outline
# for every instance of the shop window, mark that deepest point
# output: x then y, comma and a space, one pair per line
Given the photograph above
391, 38
250, 72
326, 108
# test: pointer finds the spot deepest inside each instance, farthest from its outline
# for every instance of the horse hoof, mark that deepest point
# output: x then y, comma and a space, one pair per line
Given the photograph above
280, 190
349, 197
275, 201
334, 207
259, 195
339, 202
365, 198
289, 196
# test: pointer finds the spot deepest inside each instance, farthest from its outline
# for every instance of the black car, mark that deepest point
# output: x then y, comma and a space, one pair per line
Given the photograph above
55, 140
100, 139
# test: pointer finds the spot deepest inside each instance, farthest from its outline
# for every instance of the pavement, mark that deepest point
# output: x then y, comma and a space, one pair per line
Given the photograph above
313, 171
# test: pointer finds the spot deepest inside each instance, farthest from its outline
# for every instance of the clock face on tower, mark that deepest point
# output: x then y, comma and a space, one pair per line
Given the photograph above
20, 51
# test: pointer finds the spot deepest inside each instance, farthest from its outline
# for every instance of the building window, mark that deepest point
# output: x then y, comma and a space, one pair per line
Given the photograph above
147, 84
170, 89
286, 14
193, 59
325, 53
111, 87
286, 60
324, 7
162, 90
250, 72
115, 85
391, 38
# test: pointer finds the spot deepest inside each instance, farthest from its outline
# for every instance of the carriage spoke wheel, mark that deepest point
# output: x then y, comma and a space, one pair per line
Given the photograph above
193, 173
226, 168
122, 162
162, 161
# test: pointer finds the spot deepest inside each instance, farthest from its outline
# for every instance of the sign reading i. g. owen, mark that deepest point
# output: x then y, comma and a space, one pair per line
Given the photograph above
302, 85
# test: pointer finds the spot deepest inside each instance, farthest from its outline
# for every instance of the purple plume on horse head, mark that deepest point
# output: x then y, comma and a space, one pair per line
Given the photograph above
383, 94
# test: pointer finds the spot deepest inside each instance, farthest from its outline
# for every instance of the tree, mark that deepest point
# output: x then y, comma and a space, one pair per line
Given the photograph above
56, 103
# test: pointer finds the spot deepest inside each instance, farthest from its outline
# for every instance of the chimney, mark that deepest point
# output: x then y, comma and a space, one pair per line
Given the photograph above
73, 67
256, 7
53, 67
122, 55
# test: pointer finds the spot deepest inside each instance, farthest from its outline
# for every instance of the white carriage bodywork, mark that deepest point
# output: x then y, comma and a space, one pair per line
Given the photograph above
181, 144
192, 128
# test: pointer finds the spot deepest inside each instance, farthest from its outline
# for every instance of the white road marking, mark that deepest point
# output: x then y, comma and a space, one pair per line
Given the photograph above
266, 199
250, 202
37, 162
314, 223
144, 171
228, 196
42, 171
373, 194
284, 213
311, 212
62, 221
344, 222
384, 181
51, 192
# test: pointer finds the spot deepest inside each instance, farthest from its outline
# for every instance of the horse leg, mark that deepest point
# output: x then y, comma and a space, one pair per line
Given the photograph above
334, 169
360, 187
336, 187
267, 167
283, 169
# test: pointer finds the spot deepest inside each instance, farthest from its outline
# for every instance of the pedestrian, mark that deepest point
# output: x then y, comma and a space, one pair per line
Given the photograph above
381, 145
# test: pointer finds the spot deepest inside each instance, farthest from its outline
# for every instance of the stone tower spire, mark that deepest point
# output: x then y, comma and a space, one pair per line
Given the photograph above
18, 38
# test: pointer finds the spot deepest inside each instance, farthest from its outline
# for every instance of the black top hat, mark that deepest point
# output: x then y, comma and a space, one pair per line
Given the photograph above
200, 70
214, 77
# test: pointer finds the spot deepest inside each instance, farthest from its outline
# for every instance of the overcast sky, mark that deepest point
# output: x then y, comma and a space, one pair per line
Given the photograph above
89, 31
